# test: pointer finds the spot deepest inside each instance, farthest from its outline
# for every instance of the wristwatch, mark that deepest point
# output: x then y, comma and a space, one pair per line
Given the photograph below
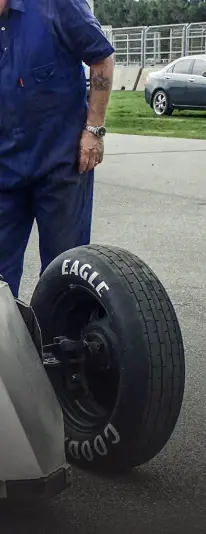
99, 131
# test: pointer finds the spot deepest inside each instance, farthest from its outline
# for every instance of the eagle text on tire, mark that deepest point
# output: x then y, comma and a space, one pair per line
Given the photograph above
86, 273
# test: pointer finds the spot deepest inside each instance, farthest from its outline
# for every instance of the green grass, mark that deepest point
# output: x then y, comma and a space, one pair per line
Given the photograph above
129, 114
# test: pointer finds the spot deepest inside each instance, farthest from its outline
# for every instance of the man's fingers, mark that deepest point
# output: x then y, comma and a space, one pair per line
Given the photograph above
93, 162
101, 153
88, 161
101, 157
83, 161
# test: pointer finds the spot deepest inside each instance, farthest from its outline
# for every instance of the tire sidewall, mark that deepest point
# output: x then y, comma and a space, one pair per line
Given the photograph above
124, 425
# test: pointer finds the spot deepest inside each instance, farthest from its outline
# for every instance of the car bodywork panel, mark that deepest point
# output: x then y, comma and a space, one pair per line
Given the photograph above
32, 454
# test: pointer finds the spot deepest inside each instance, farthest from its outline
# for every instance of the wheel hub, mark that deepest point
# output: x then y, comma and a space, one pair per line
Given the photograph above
98, 348
160, 103
73, 357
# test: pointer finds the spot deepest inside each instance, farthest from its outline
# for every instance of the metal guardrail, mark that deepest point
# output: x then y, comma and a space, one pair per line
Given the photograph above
156, 45
196, 38
163, 44
129, 45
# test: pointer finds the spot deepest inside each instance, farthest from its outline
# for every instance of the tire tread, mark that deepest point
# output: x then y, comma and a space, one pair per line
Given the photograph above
165, 391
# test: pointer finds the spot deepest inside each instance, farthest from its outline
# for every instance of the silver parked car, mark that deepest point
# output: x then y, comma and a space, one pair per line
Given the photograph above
179, 85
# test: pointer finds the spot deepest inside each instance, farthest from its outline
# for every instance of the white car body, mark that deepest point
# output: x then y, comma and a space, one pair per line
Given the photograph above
32, 457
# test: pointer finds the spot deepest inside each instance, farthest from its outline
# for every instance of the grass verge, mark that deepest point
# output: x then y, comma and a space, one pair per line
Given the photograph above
128, 113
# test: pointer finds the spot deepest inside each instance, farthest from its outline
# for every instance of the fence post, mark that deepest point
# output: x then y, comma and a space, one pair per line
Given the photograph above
143, 47
127, 50
186, 39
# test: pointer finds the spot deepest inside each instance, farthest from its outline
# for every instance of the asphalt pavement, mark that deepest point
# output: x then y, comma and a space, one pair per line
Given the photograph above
150, 197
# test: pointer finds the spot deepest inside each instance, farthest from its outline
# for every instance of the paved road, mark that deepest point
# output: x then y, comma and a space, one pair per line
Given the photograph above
151, 199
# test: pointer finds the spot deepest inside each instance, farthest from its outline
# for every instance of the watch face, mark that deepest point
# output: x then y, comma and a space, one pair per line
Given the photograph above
101, 131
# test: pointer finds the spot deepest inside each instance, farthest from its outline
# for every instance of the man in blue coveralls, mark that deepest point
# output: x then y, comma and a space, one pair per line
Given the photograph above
50, 142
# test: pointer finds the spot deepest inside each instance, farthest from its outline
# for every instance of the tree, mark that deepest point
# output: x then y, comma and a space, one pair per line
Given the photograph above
114, 12
149, 12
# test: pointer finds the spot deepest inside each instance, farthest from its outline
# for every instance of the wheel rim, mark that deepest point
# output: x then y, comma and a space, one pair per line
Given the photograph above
160, 103
87, 408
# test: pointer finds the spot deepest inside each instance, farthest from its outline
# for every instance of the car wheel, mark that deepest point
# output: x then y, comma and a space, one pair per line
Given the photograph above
122, 398
160, 103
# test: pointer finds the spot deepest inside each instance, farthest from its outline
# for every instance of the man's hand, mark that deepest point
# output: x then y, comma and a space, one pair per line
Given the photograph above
91, 151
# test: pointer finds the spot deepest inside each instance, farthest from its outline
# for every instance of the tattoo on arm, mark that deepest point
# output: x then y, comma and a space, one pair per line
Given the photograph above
99, 82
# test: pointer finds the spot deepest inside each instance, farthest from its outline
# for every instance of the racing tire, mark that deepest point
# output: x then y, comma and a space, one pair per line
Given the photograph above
136, 390
160, 103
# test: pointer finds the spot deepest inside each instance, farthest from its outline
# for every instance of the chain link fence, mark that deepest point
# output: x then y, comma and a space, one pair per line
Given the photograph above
196, 38
128, 44
156, 45
163, 44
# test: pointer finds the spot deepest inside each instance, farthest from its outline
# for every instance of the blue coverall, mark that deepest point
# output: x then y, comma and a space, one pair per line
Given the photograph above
43, 111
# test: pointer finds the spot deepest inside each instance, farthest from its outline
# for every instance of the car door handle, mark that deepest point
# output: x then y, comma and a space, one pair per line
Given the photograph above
191, 79
168, 77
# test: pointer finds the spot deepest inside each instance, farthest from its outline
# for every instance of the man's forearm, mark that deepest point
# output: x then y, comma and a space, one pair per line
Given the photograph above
100, 89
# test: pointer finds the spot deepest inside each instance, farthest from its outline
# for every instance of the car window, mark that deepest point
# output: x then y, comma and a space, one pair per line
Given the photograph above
199, 67
170, 69
183, 66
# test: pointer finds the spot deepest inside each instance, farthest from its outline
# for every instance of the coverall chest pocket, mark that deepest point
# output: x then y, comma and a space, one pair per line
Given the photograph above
49, 88
45, 73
